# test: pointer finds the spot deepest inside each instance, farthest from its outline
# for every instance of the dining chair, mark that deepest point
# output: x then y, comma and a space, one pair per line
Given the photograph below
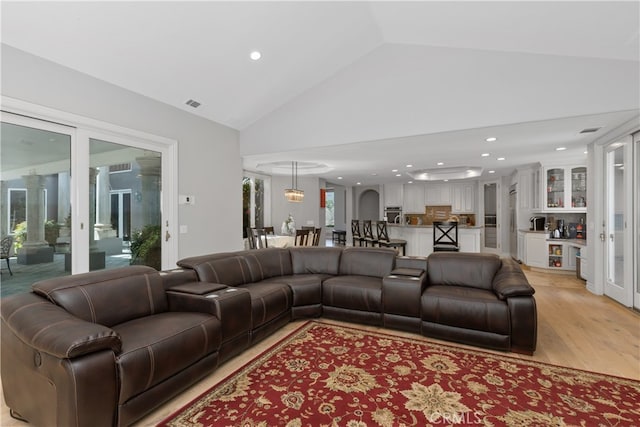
269, 230
301, 238
315, 238
384, 240
260, 236
5, 251
445, 236
251, 238
356, 235
367, 229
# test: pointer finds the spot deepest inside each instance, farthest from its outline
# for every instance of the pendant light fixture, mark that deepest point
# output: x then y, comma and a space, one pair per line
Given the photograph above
293, 194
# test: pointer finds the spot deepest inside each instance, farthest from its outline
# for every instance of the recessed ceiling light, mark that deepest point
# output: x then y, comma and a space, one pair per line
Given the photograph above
409, 182
374, 174
339, 177
492, 171
358, 183
586, 152
500, 158
255, 55
409, 166
398, 174
394, 170
561, 148
491, 139
446, 180
440, 163
485, 154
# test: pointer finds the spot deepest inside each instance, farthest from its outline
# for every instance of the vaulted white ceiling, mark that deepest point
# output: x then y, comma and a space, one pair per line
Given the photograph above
362, 87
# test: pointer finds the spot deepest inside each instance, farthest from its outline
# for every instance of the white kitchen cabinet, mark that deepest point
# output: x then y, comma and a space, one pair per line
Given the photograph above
566, 189
522, 254
393, 194
438, 194
469, 239
463, 197
536, 194
413, 200
536, 250
524, 189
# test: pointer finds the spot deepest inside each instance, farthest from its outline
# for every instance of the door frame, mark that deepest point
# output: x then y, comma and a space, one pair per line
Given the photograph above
85, 128
498, 249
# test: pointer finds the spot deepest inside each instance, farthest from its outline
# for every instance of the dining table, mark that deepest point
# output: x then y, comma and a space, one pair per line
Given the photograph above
275, 241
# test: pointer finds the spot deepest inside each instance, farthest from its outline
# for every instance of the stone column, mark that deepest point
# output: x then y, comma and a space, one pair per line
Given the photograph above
63, 243
36, 249
103, 228
150, 171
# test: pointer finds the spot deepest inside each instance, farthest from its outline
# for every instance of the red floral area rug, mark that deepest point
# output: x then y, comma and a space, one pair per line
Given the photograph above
328, 375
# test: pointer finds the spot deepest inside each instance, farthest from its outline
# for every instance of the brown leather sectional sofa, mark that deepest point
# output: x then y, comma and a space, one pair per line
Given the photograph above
106, 348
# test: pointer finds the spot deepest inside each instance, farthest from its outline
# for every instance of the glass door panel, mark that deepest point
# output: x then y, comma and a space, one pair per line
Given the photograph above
579, 187
125, 206
35, 205
490, 197
555, 188
615, 224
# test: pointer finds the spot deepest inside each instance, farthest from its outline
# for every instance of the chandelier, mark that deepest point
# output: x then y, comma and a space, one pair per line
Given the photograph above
293, 194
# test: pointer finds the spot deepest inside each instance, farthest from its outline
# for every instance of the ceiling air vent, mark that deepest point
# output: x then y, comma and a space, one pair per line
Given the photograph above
192, 103
589, 130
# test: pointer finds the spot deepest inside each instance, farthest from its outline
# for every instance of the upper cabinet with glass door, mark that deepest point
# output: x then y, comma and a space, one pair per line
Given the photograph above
566, 189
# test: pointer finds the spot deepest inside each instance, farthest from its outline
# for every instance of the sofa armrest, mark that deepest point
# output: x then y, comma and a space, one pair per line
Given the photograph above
510, 281
232, 306
51, 329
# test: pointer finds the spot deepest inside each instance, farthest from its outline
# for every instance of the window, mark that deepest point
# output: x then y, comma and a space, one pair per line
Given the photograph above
255, 197
330, 209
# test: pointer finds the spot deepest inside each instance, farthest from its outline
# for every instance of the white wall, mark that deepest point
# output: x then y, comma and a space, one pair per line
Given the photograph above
209, 161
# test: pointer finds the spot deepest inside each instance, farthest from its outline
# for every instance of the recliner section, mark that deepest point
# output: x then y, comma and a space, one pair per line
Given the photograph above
69, 357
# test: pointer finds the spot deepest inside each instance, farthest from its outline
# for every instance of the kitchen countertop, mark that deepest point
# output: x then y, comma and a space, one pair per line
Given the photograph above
577, 242
431, 226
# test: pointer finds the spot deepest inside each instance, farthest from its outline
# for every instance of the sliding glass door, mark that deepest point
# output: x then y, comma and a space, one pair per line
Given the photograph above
35, 201
125, 206
76, 199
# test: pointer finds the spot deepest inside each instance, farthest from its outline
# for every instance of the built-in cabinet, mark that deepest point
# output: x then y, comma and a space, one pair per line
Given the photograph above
566, 189
529, 182
438, 194
393, 194
536, 250
463, 197
414, 201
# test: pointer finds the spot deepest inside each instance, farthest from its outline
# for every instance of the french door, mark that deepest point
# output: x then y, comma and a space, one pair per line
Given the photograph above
618, 222
59, 175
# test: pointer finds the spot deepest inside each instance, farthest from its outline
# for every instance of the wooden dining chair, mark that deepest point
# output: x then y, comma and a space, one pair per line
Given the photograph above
260, 238
445, 236
367, 229
251, 238
315, 239
384, 240
269, 230
356, 235
301, 238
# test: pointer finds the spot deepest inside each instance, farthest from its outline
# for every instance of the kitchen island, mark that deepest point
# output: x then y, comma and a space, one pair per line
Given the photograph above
420, 238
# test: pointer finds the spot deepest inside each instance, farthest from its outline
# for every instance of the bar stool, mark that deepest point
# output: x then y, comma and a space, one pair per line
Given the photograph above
445, 236
384, 240
368, 233
355, 232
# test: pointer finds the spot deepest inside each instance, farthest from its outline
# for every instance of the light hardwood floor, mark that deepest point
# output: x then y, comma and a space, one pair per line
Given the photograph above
575, 329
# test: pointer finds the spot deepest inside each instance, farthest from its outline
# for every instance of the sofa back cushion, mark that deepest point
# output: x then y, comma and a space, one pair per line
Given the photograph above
375, 262
315, 260
107, 297
473, 270
266, 263
230, 270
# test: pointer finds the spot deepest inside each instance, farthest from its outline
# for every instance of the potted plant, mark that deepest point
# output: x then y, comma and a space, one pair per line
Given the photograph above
146, 247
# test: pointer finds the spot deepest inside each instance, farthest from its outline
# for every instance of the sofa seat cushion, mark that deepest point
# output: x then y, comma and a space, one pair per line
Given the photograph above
353, 292
464, 307
156, 347
268, 301
306, 288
